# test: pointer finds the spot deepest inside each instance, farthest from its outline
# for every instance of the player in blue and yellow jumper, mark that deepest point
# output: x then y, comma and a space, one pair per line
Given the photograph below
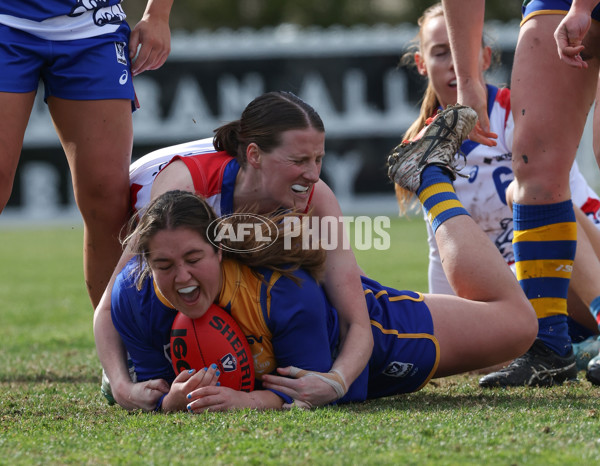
288, 320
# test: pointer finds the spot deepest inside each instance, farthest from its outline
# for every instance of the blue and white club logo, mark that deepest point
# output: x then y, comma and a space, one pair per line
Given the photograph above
229, 362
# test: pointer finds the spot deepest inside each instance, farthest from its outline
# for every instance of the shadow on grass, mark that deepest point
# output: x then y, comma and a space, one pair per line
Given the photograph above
568, 396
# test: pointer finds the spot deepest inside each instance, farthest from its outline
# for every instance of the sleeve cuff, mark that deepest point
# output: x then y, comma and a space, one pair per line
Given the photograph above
159, 403
286, 399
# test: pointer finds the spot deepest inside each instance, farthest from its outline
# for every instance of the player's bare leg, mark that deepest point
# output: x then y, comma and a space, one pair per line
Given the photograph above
545, 143
15, 109
490, 320
97, 137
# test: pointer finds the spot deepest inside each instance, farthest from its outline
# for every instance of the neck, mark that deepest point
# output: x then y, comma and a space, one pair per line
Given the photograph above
247, 192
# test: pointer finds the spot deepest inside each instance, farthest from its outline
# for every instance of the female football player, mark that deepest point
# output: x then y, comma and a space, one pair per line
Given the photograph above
268, 159
180, 267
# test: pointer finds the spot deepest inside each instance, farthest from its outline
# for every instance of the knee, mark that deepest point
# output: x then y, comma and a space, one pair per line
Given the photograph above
510, 194
540, 178
530, 187
106, 207
525, 328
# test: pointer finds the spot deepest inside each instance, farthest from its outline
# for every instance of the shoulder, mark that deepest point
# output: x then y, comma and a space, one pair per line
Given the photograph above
140, 307
126, 299
125, 291
127, 276
291, 297
324, 202
174, 176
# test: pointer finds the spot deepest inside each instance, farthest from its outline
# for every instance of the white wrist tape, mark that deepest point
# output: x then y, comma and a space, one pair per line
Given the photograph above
333, 378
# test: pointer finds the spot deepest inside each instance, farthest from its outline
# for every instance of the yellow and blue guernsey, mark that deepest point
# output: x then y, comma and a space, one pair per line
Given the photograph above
287, 324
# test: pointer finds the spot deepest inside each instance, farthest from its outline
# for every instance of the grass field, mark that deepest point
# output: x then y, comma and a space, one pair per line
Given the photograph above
51, 410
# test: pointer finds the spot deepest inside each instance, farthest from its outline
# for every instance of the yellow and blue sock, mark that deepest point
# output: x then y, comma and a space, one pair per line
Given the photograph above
438, 197
544, 242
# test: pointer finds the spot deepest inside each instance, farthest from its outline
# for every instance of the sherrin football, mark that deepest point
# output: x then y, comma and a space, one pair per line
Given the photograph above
213, 338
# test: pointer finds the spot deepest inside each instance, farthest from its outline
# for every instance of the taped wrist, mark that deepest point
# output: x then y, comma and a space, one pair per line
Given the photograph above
333, 378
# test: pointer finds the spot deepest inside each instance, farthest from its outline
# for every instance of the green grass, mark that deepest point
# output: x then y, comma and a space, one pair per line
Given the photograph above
51, 410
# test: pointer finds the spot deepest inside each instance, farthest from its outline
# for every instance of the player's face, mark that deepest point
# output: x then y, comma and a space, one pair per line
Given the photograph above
289, 171
435, 60
186, 270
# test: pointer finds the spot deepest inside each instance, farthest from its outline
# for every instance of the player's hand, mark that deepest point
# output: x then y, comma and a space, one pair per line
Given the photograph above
142, 395
308, 389
153, 37
569, 37
186, 382
483, 136
217, 398
474, 94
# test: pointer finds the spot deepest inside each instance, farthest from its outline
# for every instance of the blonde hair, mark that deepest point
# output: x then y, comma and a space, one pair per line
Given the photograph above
429, 104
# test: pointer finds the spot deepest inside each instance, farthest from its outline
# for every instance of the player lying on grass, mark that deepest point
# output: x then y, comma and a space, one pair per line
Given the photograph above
270, 158
417, 336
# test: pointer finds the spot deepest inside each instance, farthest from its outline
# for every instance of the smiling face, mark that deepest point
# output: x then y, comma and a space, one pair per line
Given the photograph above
434, 59
186, 269
288, 172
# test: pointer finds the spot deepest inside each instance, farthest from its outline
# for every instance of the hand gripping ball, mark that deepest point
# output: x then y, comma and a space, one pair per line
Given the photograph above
213, 338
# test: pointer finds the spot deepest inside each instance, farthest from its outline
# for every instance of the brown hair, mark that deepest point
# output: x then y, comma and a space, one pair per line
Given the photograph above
263, 121
183, 209
171, 210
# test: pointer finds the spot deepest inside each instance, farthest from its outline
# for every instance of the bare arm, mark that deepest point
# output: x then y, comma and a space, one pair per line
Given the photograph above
109, 346
344, 290
112, 355
464, 19
154, 36
174, 176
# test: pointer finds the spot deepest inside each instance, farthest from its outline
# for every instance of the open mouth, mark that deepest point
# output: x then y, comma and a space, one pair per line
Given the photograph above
189, 293
452, 83
298, 188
